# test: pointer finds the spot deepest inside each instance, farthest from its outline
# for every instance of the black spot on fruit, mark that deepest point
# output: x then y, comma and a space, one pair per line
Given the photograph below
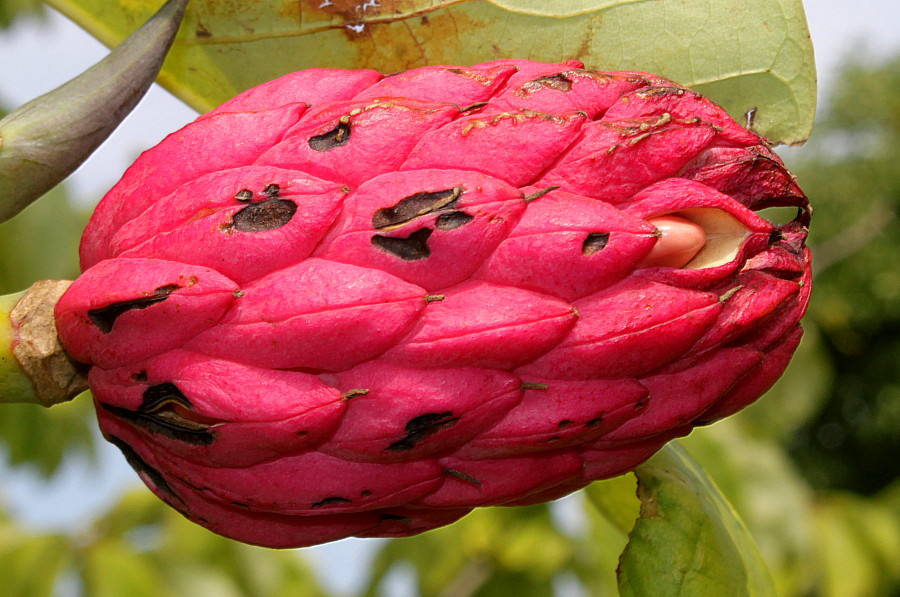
451, 472
105, 317
411, 248
558, 82
160, 394
594, 242
452, 220
331, 501
265, 215
414, 206
244, 195
336, 137
422, 427
165, 411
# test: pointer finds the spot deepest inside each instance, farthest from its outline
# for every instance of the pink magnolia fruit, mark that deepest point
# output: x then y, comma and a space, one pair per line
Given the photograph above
351, 304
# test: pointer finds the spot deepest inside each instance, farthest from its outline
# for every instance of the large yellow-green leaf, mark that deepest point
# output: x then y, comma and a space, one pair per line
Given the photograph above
749, 56
688, 539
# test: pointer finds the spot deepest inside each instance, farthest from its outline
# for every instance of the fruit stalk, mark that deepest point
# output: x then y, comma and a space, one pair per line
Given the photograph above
34, 367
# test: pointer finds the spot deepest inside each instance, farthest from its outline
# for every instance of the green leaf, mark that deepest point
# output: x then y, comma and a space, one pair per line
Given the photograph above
58, 225
489, 548
758, 479
12, 9
195, 561
113, 569
42, 437
688, 539
858, 545
744, 55
31, 563
615, 500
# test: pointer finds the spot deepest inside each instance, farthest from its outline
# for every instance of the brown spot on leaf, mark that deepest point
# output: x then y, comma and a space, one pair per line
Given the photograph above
105, 317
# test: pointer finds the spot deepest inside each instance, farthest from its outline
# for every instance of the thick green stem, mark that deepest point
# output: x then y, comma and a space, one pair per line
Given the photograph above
34, 367
15, 385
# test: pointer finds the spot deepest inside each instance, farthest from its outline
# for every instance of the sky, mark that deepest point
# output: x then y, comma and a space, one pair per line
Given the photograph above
36, 56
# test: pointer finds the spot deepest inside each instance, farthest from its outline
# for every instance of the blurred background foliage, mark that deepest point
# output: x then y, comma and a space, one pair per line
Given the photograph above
812, 468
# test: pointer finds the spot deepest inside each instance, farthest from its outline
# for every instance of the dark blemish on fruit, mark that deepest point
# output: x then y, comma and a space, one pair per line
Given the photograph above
244, 195
452, 220
354, 393
105, 317
157, 414
264, 216
530, 385
336, 137
422, 427
414, 206
776, 236
411, 248
594, 242
331, 501
659, 91
461, 476
157, 395
557, 82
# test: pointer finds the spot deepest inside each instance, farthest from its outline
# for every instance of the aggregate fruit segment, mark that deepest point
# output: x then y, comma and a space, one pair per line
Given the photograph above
347, 304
